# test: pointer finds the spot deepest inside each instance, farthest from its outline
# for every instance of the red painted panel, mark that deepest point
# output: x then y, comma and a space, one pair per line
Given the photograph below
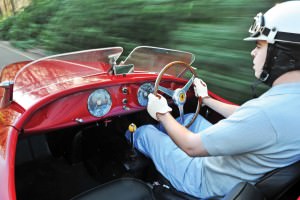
9, 115
3, 140
9, 72
8, 140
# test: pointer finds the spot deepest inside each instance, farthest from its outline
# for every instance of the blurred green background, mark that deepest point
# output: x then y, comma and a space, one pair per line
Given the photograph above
211, 29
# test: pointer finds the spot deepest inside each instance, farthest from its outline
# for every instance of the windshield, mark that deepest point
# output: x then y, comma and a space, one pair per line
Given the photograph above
153, 59
65, 67
70, 67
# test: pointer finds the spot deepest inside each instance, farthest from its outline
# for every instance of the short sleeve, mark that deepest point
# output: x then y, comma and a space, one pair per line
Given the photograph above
246, 130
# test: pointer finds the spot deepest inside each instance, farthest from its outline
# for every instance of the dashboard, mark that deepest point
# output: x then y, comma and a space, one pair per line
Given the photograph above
97, 104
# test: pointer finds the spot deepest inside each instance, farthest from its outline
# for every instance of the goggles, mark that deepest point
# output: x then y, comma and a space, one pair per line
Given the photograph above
258, 29
258, 26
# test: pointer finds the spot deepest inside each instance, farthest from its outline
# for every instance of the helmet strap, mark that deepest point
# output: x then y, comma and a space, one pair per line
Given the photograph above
265, 75
280, 59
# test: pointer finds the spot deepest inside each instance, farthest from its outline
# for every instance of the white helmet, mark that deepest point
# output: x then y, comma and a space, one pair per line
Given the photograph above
281, 23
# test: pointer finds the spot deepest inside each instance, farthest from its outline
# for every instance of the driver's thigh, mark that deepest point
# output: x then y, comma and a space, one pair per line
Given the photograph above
169, 160
198, 125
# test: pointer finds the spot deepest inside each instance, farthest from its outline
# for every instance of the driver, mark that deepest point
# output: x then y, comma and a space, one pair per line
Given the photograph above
254, 138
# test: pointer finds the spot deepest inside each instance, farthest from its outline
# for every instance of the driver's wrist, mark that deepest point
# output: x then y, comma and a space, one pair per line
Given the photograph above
205, 99
161, 116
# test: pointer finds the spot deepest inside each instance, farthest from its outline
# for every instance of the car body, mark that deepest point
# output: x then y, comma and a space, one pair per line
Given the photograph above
63, 118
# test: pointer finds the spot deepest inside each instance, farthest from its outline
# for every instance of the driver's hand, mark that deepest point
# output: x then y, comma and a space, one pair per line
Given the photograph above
157, 104
200, 88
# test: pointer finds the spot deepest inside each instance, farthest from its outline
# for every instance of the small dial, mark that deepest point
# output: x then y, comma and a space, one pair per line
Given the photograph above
99, 103
143, 93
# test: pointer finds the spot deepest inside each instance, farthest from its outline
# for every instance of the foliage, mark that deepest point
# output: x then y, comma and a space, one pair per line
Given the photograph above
25, 27
211, 29
5, 25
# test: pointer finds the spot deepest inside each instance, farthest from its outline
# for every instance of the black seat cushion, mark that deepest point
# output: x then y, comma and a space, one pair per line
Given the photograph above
164, 192
244, 191
276, 183
271, 186
120, 189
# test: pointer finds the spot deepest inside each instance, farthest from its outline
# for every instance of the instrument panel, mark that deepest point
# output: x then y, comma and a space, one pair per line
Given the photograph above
143, 92
93, 105
99, 103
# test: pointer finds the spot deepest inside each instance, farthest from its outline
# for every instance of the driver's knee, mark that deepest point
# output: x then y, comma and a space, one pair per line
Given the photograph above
199, 124
141, 134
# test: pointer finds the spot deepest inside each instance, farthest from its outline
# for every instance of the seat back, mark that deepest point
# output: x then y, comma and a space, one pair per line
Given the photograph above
277, 182
244, 191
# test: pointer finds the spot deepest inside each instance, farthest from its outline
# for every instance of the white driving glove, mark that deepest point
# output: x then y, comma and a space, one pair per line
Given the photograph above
200, 88
157, 104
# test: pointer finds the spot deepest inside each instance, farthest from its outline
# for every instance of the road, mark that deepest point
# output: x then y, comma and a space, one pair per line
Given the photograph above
9, 54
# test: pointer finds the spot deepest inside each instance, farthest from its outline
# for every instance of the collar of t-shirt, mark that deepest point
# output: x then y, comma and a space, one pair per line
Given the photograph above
285, 88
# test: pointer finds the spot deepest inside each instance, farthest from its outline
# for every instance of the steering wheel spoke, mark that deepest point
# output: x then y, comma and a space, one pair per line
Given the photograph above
181, 112
167, 91
188, 84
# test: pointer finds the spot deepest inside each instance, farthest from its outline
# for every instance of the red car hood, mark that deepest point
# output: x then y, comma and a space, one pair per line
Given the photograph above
9, 72
50, 77
54, 74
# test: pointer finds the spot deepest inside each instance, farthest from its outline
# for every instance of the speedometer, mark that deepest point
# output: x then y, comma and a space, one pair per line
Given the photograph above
143, 93
99, 103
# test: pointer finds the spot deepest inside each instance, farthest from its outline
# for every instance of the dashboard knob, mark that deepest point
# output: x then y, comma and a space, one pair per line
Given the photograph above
125, 90
125, 101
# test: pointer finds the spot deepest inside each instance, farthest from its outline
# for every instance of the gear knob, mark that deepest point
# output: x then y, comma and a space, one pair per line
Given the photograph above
132, 128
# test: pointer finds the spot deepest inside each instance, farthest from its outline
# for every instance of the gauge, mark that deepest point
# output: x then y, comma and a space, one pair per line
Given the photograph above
143, 93
99, 103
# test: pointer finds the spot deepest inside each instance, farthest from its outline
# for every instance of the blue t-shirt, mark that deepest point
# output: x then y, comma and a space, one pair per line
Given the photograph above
263, 134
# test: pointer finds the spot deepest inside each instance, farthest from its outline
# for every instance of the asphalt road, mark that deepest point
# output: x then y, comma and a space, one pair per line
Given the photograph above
9, 54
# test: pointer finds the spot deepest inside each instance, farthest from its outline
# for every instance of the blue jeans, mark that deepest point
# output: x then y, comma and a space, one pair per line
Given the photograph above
174, 164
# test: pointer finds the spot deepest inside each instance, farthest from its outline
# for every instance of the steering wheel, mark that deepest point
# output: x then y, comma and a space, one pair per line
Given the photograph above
178, 95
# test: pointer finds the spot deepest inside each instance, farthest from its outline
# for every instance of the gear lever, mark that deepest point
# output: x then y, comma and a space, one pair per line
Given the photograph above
136, 164
132, 129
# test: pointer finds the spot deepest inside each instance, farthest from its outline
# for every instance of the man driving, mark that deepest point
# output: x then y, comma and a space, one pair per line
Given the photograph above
254, 138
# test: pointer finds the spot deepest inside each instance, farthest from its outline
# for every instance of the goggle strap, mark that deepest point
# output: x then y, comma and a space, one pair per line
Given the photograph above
288, 37
266, 31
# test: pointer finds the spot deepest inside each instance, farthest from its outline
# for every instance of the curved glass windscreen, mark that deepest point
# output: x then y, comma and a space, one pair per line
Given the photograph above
65, 67
153, 59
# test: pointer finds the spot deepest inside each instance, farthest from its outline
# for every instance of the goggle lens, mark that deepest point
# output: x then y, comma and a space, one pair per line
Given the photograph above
258, 25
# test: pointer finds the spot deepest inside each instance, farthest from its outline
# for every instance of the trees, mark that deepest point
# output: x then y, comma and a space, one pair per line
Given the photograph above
211, 29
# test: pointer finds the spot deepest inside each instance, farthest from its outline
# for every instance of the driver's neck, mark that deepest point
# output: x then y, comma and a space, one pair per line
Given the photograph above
289, 77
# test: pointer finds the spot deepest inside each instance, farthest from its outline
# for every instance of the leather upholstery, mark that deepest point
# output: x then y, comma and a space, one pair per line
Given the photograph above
120, 189
271, 187
244, 191
274, 184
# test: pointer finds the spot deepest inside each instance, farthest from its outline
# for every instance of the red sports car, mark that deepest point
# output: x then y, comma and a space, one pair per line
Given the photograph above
63, 119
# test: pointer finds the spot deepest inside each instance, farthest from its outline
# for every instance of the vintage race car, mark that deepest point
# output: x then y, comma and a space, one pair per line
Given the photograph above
63, 119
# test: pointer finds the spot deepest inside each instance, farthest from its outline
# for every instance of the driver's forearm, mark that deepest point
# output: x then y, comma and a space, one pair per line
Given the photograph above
220, 107
189, 142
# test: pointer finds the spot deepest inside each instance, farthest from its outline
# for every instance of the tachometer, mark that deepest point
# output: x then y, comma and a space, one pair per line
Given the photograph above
143, 93
99, 103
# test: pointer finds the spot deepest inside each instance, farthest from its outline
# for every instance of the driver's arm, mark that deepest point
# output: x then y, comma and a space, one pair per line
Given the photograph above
224, 109
189, 142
